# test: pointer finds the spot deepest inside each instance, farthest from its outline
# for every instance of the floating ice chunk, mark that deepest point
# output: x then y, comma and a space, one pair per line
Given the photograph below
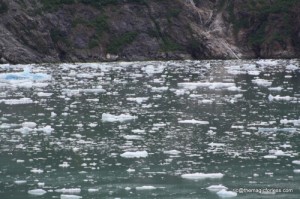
159, 89
138, 131
270, 156
18, 182
226, 194
63, 196
262, 82
210, 85
17, 101
136, 154
47, 129
93, 190
216, 188
42, 94
20, 161
64, 165
130, 170
29, 124
172, 152
153, 69
193, 122
36, 170
201, 176
296, 170
93, 90
127, 188
138, 100
267, 62
133, 137
71, 190
145, 188
291, 67
37, 192
106, 117
296, 162
294, 122
24, 130
234, 88
280, 98
212, 144
275, 88
254, 72
53, 114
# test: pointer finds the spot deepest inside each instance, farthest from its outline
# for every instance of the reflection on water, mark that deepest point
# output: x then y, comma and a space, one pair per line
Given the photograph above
178, 129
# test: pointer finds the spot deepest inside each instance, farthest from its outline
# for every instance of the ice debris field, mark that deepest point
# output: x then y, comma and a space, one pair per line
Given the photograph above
176, 129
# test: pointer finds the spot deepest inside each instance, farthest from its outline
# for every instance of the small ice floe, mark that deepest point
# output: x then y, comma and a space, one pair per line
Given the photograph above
136, 154
70, 190
130, 170
280, 98
106, 117
270, 156
37, 192
159, 89
29, 124
145, 188
138, 100
133, 137
19, 182
262, 82
91, 190
64, 196
47, 129
201, 176
212, 144
154, 69
275, 89
226, 194
296, 162
16, 101
296, 171
267, 62
172, 152
210, 85
216, 188
138, 131
20, 161
127, 188
24, 130
64, 165
294, 122
291, 67
42, 94
36, 170
193, 122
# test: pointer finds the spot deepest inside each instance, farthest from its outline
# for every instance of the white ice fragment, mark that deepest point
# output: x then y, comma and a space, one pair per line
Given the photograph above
153, 69
210, 85
106, 117
280, 98
36, 170
138, 100
216, 188
64, 165
275, 88
296, 171
42, 94
226, 194
70, 190
18, 182
193, 121
270, 156
37, 192
133, 137
172, 152
93, 190
201, 176
212, 144
47, 129
136, 154
17, 101
296, 162
145, 188
29, 124
63, 196
262, 82
130, 170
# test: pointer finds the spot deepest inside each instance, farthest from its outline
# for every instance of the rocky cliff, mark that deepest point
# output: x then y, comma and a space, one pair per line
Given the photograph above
106, 30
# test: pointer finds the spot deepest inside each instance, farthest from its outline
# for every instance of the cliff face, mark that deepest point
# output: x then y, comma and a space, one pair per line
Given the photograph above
106, 30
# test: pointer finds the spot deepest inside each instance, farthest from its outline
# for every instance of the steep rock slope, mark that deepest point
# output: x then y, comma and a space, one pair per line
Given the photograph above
106, 30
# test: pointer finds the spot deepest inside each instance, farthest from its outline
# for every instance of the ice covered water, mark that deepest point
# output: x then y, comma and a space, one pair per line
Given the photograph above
177, 129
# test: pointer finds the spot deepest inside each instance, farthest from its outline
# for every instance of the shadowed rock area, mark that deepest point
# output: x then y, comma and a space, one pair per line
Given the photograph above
35, 31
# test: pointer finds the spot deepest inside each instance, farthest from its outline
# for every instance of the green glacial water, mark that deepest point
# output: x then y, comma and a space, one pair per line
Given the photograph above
177, 129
